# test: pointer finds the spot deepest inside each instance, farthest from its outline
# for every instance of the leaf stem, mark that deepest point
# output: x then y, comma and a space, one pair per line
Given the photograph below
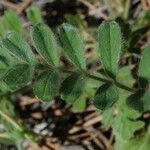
11, 121
16, 126
126, 9
120, 85
124, 87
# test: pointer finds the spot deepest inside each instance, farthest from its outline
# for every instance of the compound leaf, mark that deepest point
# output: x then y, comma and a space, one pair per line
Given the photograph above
125, 122
110, 46
47, 86
72, 87
122, 118
106, 96
45, 43
73, 45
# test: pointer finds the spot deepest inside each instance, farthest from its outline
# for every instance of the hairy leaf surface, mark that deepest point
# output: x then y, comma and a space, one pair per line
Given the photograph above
106, 96
12, 21
34, 14
45, 43
18, 76
72, 87
139, 101
80, 104
126, 127
47, 86
138, 143
144, 67
110, 46
73, 45
18, 47
124, 122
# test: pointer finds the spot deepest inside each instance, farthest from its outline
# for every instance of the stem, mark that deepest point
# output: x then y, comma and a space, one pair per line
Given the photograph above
120, 85
16, 126
97, 78
11, 121
126, 9
124, 87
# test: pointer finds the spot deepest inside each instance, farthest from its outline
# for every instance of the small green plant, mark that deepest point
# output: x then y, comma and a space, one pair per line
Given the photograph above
13, 132
114, 89
11, 21
34, 14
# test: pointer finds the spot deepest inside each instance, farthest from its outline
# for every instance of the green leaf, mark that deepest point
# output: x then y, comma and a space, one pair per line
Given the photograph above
73, 45
108, 116
139, 143
2, 27
34, 14
110, 46
125, 122
4, 60
7, 107
4, 87
6, 139
123, 110
106, 96
139, 101
126, 33
72, 87
126, 127
135, 38
76, 20
91, 85
144, 69
80, 104
18, 76
45, 43
12, 21
18, 47
122, 119
47, 86
125, 28
142, 20
124, 76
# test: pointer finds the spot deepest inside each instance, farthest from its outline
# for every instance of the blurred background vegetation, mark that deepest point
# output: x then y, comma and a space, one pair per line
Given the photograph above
27, 123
